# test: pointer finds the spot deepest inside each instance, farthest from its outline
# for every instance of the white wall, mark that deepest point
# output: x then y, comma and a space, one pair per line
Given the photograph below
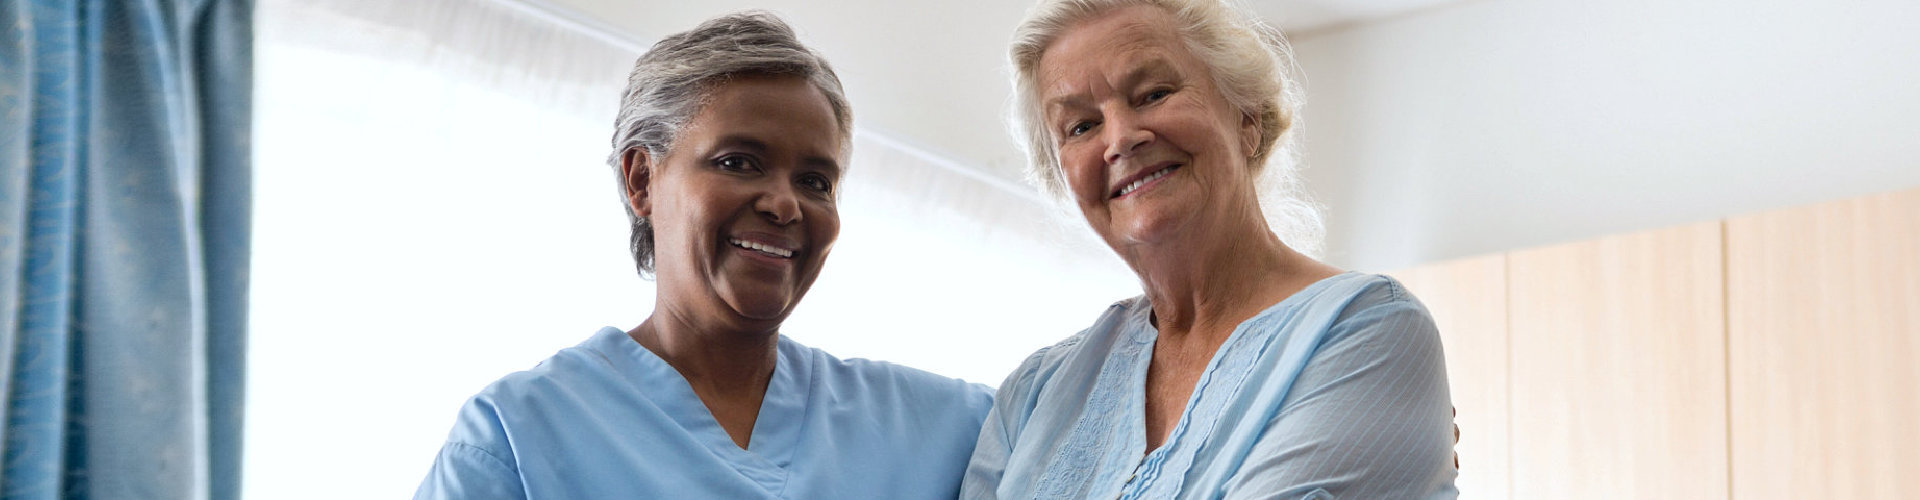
1499, 124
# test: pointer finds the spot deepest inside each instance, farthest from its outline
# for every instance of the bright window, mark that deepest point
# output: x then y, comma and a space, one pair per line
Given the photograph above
421, 231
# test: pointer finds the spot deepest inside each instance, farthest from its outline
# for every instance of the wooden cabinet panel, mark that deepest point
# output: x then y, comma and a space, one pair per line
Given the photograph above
1618, 367
1468, 299
1824, 349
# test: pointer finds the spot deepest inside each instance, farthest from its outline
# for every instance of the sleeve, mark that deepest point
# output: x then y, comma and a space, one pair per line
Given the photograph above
1012, 403
466, 469
463, 471
1368, 417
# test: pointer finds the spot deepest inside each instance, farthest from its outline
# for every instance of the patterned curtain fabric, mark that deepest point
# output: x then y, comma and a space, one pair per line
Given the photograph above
124, 222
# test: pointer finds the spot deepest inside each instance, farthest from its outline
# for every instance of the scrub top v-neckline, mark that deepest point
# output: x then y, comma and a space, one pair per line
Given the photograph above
770, 447
609, 419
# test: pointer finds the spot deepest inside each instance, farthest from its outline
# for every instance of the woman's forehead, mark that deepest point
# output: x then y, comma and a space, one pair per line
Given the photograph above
784, 113
1109, 60
1070, 89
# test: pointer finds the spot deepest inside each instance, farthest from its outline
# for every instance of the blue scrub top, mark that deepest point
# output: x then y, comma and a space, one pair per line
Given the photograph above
1339, 391
609, 419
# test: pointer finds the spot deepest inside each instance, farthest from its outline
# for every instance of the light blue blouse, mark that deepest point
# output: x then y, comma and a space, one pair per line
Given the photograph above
1339, 391
609, 419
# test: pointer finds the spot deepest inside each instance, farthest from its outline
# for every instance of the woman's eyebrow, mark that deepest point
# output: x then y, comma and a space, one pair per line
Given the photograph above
1154, 67
1055, 105
826, 163
740, 141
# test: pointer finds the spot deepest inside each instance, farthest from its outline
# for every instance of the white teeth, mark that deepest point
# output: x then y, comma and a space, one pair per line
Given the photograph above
766, 249
1144, 180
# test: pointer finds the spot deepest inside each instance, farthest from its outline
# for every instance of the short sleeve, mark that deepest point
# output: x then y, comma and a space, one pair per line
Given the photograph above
474, 463
1368, 417
463, 471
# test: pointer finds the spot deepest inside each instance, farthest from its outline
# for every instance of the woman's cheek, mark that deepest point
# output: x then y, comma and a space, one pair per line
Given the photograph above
1079, 169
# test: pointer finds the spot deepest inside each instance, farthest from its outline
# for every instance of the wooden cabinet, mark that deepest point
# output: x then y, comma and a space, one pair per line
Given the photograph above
1824, 349
1771, 356
1619, 367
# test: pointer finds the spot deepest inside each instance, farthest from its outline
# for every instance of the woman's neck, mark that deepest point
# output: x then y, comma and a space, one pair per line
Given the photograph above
1210, 285
706, 353
728, 368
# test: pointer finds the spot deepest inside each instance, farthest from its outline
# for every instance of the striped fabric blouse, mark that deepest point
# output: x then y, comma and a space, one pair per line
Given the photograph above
1339, 391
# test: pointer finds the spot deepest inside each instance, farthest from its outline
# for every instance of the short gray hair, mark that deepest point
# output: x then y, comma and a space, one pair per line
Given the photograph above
1249, 62
672, 81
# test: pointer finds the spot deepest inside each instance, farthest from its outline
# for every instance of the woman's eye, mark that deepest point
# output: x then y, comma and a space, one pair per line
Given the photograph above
817, 183
1157, 95
733, 163
1079, 128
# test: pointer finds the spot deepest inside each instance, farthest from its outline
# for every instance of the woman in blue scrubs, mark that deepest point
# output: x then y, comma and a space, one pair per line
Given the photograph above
1245, 369
730, 145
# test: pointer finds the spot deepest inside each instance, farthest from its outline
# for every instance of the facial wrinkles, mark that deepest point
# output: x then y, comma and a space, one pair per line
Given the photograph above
1101, 39
1089, 74
790, 137
1111, 58
1109, 102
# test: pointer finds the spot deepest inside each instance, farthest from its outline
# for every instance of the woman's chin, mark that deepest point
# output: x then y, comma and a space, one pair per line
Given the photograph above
761, 306
758, 297
1144, 229
1150, 216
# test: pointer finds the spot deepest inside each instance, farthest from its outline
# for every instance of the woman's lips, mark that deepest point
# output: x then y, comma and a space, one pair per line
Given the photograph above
1141, 182
762, 248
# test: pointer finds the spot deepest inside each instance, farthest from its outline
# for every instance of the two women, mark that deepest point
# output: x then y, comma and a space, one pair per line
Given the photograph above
1246, 369
730, 144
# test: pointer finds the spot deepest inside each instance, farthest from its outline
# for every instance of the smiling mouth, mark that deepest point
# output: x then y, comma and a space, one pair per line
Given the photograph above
1136, 184
769, 250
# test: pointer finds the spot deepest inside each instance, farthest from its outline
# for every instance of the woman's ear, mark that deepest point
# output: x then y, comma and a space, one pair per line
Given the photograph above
1250, 132
637, 168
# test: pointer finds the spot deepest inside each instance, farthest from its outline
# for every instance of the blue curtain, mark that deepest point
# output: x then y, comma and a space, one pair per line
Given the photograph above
125, 177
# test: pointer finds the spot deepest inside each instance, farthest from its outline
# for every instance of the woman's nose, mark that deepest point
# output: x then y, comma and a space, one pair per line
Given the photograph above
779, 204
1124, 136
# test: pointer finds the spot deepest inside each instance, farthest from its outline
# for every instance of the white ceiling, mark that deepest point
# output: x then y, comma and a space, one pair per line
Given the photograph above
930, 74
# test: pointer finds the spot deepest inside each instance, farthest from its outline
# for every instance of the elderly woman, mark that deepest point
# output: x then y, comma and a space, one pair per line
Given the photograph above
1247, 369
730, 145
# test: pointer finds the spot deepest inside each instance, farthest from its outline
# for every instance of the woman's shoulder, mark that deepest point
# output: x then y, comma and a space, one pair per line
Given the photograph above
1077, 352
875, 379
1382, 289
587, 364
1375, 297
1370, 309
1347, 308
1351, 296
1105, 330
484, 420
575, 382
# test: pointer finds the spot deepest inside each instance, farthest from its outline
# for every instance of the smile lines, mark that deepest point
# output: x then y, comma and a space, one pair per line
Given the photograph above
762, 248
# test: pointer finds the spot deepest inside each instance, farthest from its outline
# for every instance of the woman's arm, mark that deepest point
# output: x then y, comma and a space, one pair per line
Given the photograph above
989, 460
1368, 417
1013, 404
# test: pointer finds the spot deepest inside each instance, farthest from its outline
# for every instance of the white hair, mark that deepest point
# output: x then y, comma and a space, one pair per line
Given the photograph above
1249, 63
